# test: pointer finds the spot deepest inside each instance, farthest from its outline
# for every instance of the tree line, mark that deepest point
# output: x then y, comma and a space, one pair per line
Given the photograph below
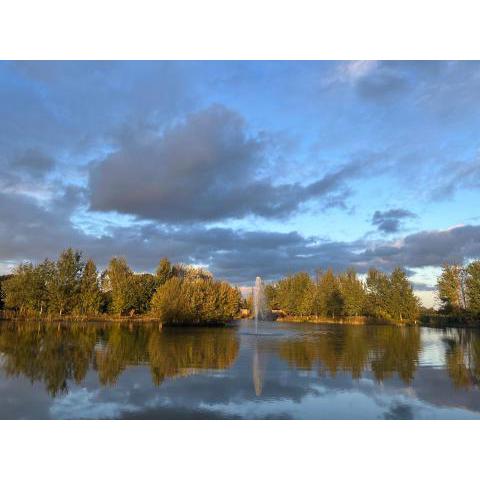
382, 296
459, 290
71, 286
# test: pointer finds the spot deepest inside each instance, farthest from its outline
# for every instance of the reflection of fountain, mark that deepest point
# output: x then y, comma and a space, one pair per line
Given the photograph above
258, 370
259, 301
257, 374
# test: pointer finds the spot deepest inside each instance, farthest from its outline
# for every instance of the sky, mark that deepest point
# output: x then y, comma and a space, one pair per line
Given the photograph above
246, 168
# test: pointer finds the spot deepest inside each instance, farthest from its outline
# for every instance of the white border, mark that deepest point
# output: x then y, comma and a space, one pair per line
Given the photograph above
246, 29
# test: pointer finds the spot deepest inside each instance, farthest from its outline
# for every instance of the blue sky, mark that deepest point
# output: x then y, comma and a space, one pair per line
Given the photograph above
246, 167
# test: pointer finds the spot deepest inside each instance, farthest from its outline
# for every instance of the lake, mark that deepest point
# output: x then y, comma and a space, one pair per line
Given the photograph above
286, 371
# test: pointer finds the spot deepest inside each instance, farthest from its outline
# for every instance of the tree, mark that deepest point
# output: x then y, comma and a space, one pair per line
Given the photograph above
195, 301
90, 296
26, 291
64, 286
143, 287
450, 288
473, 287
291, 291
353, 293
165, 271
3, 278
331, 299
402, 304
120, 281
377, 293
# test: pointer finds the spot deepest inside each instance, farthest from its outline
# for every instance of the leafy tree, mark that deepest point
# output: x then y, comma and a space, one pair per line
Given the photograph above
450, 288
291, 291
473, 287
311, 303
377, 294
194, 301
331, 300
64, 286
90, 296
165, 271
26, 291
3, 278
119, 282
353, 293
143, 287
402, 304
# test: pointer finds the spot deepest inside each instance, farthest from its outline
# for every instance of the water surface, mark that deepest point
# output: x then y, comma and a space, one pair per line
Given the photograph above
304, 371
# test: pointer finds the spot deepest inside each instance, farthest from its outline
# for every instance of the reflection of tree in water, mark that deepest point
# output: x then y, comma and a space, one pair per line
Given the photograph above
122, 345
387, 350
49, 353
395, 350
463, 357
186, 351
55, 354
169, 352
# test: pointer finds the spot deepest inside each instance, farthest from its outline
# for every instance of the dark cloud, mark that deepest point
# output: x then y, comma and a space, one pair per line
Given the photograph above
428, 248
207, 168
74, 107
33, 163
389, 221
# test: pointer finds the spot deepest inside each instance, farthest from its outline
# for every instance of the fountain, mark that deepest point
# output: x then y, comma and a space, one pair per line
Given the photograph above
259, 301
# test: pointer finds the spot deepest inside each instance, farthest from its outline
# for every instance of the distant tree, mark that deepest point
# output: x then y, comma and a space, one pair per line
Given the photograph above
311, 303
165, 271
16, 290
3, 278
271, 296
64, 286
143, 287
451, 289
119, 282
377, 293
90, 296
26, 291
291, 291
402, 304
331, 299
353, 293
473, 287
195, 300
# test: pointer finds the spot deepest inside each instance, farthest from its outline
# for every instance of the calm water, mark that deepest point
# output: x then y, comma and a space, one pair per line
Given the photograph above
287, 371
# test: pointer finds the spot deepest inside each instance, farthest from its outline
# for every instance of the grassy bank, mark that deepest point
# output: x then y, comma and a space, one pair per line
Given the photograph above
430, 320
109, 318
357, 320
6, 315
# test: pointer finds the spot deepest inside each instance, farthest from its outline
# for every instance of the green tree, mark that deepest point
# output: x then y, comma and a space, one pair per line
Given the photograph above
402, 304
195, 301
3, 278
64, 286
143, 287
450, 288
165, 271
377, 293
331, 299
291, 291
26, 291
90, 296
353, 293
120, 279
473, 287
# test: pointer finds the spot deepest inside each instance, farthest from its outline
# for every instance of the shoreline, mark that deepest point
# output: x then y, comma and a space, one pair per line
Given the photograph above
440, 321
432, 321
